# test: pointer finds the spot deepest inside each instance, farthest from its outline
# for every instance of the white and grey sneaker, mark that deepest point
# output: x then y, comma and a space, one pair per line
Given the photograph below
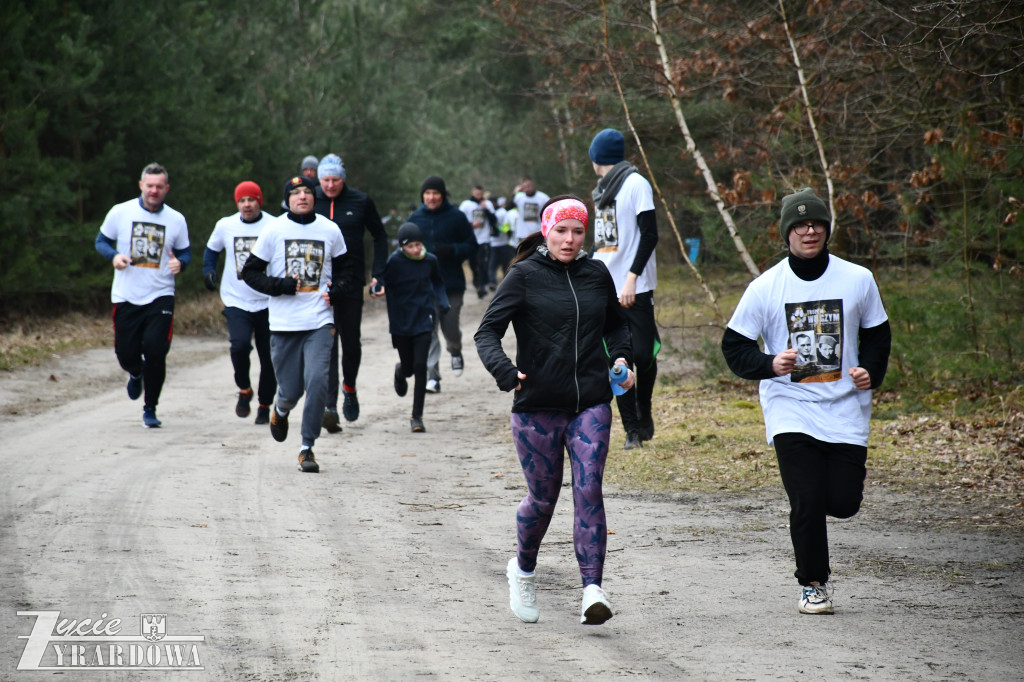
433, 386
816, 599
522, 592
596, 609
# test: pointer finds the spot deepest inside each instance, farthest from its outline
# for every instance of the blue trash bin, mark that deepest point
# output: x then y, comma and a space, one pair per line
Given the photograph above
693, 245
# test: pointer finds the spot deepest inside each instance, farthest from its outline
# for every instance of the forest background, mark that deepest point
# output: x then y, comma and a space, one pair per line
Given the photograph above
908, 117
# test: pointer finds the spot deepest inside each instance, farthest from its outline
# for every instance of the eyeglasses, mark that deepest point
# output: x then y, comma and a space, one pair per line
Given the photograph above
803, 228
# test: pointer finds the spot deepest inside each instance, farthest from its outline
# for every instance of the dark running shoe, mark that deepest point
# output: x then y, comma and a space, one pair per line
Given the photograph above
149, 419
243, 406
401, 383
417, 425
457, 365
632, 441
262, 414
350, 408
134, 386
278, 426
307, 463
331, 421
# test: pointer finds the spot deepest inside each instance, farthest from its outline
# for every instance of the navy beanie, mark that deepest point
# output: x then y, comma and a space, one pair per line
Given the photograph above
608, 147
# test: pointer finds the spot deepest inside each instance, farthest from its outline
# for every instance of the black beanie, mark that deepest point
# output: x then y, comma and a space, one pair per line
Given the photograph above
434, 182
800, 206
410, 232
296, 182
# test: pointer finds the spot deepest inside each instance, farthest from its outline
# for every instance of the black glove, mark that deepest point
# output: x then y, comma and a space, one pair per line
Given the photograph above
445, 251
210, 280
336, 291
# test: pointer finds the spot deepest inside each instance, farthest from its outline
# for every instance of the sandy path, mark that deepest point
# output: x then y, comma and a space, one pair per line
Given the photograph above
389, 565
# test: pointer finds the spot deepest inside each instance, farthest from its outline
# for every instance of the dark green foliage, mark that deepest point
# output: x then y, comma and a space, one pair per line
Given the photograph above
221, 92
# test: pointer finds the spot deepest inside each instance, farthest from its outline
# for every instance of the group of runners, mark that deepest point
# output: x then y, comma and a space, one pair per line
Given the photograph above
293, 288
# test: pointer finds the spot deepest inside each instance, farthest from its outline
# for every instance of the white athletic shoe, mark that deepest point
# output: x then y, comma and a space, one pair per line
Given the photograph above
596, 609
433, 386
816, 599
522, 592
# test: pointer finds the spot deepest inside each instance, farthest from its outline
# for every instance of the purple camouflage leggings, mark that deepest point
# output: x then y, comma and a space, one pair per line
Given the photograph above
541, 439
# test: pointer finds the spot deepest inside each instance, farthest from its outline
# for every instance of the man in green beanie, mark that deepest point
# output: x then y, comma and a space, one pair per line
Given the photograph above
816, 413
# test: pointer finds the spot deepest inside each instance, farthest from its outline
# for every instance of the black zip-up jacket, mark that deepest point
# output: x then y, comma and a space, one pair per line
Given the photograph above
355, 213
563, 316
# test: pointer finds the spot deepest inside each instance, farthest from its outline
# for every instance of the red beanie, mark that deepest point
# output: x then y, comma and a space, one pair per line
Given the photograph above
249, 189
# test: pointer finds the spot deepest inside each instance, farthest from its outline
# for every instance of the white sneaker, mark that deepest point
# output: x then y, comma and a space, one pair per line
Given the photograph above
596, 609
816, 599
433, 386
522, 592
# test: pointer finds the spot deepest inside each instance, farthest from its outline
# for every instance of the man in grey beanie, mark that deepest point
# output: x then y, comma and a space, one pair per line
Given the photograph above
309, 166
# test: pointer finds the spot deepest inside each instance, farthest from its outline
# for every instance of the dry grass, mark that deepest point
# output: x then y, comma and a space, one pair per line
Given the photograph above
29, 341
711, 439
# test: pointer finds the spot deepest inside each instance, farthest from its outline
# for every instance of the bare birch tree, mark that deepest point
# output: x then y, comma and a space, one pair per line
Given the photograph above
654, 181
823, 159
691, 147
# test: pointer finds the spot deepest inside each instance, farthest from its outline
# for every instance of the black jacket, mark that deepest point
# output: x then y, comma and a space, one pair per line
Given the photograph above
563, 316
355, 213
412, 287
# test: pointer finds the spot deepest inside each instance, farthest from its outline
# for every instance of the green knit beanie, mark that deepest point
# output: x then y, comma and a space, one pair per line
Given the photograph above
800, 206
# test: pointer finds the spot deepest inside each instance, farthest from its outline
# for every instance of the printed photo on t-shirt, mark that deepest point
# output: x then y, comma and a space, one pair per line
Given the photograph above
816, 332
531, 212
242, 247
606, 231
147, 248
304, 258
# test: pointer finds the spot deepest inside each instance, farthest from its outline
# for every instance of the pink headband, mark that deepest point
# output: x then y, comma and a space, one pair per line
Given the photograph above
561, 210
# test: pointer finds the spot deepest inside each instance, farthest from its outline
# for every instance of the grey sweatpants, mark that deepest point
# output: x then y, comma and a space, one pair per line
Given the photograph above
449, 325
301, 363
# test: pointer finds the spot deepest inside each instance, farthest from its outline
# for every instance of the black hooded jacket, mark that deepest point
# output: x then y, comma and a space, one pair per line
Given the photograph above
563, 316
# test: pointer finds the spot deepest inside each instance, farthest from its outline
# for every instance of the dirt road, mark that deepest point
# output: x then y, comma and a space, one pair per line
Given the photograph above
389, 564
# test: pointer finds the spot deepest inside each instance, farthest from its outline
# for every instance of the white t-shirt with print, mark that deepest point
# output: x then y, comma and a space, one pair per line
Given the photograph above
148, 239
475, 211
291, 248
818, 398
236, 237
528, 208
617, 237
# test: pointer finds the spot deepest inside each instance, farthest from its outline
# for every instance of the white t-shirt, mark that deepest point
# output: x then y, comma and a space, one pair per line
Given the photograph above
148, 239
500, 237
528, 209
474, 211
617, 237
303, 250
236, 237
818, 398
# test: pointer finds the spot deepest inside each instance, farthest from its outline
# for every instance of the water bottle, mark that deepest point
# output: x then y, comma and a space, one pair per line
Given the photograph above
616, 375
